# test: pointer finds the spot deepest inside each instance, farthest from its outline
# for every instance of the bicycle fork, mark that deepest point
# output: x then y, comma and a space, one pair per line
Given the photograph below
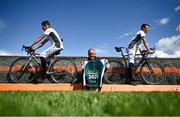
149, 68
24, 68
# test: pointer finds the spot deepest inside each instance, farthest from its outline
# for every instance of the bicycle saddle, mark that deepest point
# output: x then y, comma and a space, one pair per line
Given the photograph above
118, 49
57, 52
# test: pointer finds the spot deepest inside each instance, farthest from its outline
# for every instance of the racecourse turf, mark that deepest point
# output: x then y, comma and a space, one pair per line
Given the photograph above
89, 103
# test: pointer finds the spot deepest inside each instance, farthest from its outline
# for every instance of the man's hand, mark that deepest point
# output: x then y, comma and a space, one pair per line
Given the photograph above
30, 48
151, 50
33, 50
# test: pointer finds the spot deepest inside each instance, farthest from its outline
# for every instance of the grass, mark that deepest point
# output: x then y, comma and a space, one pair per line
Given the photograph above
89, 103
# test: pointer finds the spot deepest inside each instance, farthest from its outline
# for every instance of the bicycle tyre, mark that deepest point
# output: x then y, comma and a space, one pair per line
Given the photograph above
117, 73
157, 77
16, 73
66, 71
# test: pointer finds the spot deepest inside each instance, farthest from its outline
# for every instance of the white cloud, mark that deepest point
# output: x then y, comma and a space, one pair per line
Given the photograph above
125, 35
4, 52
164, 21
8, 53
162, 54
101, 50
178, 28
168, 47
177, 8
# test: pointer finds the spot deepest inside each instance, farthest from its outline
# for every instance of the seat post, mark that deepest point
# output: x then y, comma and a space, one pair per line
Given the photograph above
122, 54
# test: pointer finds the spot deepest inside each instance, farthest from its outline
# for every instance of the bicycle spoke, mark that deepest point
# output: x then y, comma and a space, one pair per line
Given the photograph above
22, 70
152, 73
117, 73
62, 71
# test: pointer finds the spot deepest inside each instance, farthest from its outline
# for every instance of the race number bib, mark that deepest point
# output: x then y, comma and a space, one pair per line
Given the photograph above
93, 73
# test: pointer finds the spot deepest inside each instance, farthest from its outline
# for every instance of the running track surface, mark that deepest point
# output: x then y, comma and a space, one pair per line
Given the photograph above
105, 88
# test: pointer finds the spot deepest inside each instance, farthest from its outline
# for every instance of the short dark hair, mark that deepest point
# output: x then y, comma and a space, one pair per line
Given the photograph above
46, 22
144, 26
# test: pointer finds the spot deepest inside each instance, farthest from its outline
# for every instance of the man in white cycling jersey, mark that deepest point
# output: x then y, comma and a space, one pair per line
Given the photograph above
133, 47
49, 35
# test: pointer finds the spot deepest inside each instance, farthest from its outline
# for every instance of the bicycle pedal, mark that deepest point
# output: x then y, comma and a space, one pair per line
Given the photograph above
48, 73
134, 80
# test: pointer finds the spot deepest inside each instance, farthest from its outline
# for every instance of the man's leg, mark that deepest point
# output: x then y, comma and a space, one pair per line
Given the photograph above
45, 59
43, 63
131, 58
131, 72
47, 55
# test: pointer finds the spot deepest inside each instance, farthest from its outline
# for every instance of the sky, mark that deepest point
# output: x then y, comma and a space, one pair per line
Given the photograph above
84, 24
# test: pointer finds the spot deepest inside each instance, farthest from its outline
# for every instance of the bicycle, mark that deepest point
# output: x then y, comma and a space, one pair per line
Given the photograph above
26, 69
151, 72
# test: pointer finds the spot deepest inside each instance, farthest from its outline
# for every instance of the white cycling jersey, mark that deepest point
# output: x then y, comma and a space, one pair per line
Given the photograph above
137, 40
56, 43
134, 44
54, 38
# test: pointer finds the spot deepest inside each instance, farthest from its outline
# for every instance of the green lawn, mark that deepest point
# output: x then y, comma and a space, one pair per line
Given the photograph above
89, 103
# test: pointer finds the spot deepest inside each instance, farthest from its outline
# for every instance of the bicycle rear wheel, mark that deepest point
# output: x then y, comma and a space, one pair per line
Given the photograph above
62, 71
116, 74
152, 73
22, 71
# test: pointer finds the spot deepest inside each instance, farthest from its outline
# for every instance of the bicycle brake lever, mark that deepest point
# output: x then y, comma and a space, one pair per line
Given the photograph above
22, 48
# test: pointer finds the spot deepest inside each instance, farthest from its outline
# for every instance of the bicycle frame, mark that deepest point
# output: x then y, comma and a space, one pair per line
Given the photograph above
143, 59
124, 59
32, 57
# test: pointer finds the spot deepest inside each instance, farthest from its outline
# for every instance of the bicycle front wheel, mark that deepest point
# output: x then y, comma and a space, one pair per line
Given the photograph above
152, 73
22, 71
62, 71
116, 74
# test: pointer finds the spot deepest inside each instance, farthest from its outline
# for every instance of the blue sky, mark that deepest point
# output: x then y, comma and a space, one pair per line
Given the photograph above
99, 24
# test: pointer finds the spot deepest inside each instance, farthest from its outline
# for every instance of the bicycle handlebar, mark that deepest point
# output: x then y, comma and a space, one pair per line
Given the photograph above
146, 52
143, 53
28, 49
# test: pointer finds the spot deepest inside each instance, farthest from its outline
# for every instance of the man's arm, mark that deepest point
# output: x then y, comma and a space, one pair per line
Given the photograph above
107, 65
146, 45
38, 40
41, 44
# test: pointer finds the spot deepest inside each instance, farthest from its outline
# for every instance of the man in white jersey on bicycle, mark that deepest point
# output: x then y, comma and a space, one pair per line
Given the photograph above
133, 47
49, 35
52, 36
